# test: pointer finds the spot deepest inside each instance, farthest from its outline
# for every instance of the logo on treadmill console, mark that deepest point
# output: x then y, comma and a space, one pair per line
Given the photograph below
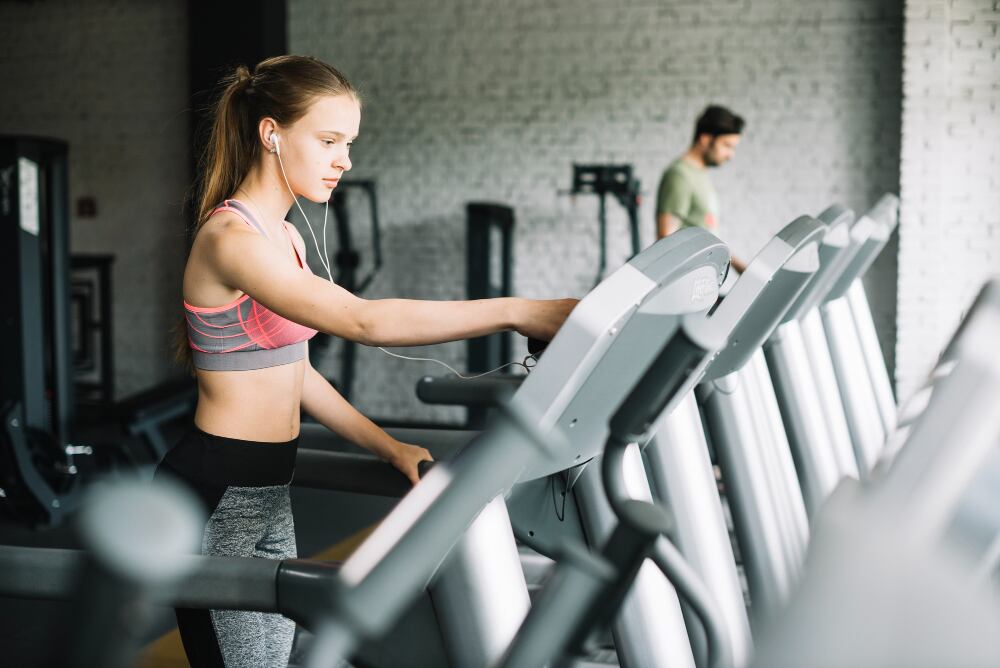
703, 289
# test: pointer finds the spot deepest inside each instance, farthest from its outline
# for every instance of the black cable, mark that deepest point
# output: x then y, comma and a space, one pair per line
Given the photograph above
560, 512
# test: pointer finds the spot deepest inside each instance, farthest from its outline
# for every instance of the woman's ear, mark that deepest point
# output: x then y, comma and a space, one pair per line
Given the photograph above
266, 132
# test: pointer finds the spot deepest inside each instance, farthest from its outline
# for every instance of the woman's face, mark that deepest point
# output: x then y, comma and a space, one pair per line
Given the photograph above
315, 150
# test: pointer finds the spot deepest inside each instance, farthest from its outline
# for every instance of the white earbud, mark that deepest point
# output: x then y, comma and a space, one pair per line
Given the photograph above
275, 148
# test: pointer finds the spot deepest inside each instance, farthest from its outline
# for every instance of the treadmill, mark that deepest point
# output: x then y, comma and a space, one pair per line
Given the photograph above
372, 588
740, 419
861, 376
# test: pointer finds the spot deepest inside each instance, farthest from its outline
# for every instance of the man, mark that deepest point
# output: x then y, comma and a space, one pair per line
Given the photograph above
686, 197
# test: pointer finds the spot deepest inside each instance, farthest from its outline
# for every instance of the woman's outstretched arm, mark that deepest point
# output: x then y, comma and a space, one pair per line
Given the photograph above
245, 261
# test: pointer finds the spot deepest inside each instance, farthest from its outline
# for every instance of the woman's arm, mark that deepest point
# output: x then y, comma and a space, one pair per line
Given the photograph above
330, 409
245, 261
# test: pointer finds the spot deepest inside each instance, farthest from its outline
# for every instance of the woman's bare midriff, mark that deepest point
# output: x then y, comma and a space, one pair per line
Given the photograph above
259, 405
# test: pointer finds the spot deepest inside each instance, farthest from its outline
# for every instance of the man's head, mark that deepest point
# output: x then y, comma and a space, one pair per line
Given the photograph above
716, 135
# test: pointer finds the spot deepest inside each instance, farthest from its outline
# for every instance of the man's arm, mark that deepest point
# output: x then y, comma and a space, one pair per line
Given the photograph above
673, 200
666, 223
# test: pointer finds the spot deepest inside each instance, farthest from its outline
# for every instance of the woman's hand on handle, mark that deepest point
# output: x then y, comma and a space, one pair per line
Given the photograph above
406, 458
541, 318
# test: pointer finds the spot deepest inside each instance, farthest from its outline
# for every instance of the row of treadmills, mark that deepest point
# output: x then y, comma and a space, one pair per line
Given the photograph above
848, 531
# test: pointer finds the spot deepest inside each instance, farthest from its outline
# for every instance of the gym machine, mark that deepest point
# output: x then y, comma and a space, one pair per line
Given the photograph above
868, 405
815, 626
489, 240
617, 181
38, 478
744, 425
804, 380
749, 311
456, 491
902, 565
677, 456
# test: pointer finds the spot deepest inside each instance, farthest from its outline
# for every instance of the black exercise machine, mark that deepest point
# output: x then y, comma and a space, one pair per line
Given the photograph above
604, 180
489, 253
38, 477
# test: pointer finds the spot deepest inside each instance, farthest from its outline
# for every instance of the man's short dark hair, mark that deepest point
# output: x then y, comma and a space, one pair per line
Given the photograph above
715, 121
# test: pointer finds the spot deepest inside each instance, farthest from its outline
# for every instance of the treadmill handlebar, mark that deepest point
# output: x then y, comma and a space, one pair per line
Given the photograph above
643, 532
755, 306
671, 371
234, 583
691, 589
300, 589
486, 392
306, 590
349, 472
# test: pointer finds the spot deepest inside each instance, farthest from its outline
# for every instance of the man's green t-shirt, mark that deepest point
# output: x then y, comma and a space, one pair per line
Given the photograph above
686, 192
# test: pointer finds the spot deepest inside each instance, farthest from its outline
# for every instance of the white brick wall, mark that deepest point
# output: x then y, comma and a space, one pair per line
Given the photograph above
477, 100
471, 100
950, 213
111, 79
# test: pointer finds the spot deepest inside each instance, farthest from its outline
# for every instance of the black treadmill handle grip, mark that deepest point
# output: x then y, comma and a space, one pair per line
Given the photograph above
536, 347
304, 590
348, 472
489, 391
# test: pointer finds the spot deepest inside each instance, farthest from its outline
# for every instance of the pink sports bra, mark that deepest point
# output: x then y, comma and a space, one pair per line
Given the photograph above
244, 334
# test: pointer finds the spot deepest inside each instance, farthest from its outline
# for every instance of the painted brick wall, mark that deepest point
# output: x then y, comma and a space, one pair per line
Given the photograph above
950, 213
110, 78
474, 100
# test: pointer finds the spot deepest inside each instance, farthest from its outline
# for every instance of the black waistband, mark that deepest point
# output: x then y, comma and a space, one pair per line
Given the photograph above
219, 460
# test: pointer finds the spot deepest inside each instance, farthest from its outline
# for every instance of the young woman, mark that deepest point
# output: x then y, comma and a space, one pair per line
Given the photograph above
251, 305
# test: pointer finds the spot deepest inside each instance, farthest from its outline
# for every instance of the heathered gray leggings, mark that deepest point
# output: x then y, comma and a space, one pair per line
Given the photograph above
244, 488
252, 522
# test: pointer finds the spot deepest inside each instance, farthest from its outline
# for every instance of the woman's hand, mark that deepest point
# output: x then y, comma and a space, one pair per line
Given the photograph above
406, 457
541, 318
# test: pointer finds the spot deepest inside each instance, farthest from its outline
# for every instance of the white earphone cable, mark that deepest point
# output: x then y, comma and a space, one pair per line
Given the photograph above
324, 260
454, 371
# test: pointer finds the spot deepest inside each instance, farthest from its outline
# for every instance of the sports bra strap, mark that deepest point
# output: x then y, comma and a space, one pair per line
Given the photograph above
243, 211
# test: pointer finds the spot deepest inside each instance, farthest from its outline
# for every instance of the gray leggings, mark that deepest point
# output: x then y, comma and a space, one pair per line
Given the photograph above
252, 522
244, 488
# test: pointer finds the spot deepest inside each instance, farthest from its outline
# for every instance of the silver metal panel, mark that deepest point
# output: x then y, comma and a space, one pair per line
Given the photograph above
401, 556
856, 392
834, 254
731, 425
777, 446
763, 436
835, 421
802, 414
681, 473
480, 595
757, 302
594, 360
649, 629
886, 214
872, 351
959, 430
868, 237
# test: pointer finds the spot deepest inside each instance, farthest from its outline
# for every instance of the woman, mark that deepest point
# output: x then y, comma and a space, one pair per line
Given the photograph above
251, 305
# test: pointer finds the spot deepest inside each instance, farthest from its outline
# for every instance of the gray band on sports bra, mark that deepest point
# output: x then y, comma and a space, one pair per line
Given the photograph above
247, 215
247, 360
